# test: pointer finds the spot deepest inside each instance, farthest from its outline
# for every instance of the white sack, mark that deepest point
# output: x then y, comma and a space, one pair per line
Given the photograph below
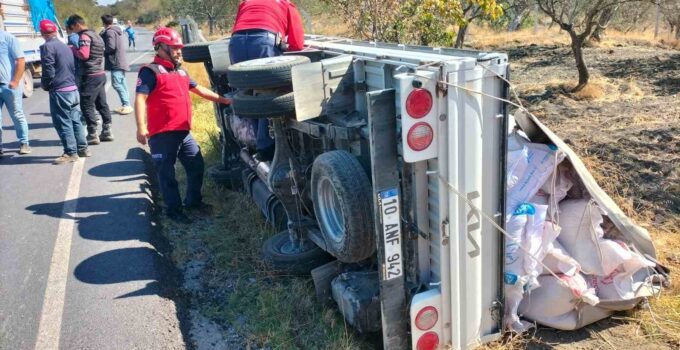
529, 166
243, 130
514, 279
558, 186
581, 222
619, 283
538, 239
559, 262
526, 229
559, 303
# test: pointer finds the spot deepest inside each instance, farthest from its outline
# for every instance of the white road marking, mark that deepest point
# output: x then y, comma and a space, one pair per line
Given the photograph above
49, 329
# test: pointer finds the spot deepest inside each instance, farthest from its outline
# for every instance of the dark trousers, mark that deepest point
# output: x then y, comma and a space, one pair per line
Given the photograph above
93, 95
166, 148
65, 110
249, 46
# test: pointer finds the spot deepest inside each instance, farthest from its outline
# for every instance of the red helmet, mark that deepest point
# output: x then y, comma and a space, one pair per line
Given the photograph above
167, 36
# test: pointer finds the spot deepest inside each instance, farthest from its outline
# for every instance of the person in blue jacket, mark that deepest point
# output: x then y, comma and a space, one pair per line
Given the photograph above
131, 35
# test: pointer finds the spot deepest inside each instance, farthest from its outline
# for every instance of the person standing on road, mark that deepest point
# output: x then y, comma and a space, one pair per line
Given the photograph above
90, 54
263, 28
163, 113
12, 66
116, 62
59, 78
131, 35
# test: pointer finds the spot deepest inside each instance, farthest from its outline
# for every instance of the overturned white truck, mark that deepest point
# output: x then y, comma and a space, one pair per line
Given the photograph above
416, 201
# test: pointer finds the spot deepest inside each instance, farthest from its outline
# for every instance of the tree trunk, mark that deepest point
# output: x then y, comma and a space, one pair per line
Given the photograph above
460, 37
606, 17
211, 25
577, 49
517, 19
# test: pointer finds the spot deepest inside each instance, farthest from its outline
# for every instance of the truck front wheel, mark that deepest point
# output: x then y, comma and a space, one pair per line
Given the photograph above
343, 206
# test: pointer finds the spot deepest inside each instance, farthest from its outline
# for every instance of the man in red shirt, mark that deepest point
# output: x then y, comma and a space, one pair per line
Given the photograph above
163, 111
262, 29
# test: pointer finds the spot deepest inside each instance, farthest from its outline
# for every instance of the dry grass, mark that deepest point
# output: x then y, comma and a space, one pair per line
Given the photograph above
599, 89
484, 37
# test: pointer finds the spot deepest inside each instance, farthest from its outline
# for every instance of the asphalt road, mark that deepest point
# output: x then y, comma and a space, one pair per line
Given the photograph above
80, 264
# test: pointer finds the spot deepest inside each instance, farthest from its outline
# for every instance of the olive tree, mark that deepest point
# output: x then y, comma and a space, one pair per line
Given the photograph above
671, 13
578, 18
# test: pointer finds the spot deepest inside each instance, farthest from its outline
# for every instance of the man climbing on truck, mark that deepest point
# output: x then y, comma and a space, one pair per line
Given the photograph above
264, 28
163, 112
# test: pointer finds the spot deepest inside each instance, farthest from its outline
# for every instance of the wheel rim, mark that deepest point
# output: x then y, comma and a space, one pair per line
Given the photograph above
330, 213
267, 61
28, 83
288, 248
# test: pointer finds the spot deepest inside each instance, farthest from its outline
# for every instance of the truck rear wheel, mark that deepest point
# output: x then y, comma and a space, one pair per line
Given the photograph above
27, 81
264, 73
343, 206
281, 255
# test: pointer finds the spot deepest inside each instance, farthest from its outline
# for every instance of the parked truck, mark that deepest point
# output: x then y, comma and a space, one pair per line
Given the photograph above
21, 18
389, 183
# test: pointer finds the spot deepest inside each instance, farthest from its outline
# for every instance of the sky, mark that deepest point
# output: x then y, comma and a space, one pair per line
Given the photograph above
106, 2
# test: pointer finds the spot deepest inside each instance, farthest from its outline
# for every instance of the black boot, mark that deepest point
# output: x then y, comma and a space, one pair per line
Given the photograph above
92, 138
106, 134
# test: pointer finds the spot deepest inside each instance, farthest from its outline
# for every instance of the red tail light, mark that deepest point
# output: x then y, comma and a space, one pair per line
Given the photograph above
428, 341
426, 318
418, 103
420, 136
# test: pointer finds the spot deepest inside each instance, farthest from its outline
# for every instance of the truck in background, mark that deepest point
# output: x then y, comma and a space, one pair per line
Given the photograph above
21, 18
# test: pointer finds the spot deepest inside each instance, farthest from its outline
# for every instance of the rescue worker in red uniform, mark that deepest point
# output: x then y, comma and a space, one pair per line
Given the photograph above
163, 113
263, 28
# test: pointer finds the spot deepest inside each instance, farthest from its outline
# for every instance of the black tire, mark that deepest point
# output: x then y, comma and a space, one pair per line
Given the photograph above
299, 263
264, 73
247, 105
197, 52
346, 218
227, 178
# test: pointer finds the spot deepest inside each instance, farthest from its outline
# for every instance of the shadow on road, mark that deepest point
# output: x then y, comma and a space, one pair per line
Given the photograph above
34, 126
124, 216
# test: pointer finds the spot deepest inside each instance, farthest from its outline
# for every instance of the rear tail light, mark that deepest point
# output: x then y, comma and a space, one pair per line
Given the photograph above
420, 136
426, 318
428, 341
418, 103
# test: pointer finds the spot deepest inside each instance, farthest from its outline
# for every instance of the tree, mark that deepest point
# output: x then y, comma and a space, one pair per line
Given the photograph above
87, 9
603, 22
578, 18
671, 13
516, 11
462, 13
209, 11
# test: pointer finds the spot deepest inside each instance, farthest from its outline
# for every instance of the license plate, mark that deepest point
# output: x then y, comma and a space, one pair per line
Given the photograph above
391, 229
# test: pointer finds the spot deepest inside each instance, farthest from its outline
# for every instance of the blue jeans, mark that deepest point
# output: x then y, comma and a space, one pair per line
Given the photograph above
166, 148
249, 46
12, 98
119, 83
66, 116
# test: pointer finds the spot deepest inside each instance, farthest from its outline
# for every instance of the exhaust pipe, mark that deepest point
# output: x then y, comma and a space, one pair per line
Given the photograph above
261, 168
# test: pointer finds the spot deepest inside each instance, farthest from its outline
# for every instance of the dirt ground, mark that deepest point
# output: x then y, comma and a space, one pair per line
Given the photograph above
626, 127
